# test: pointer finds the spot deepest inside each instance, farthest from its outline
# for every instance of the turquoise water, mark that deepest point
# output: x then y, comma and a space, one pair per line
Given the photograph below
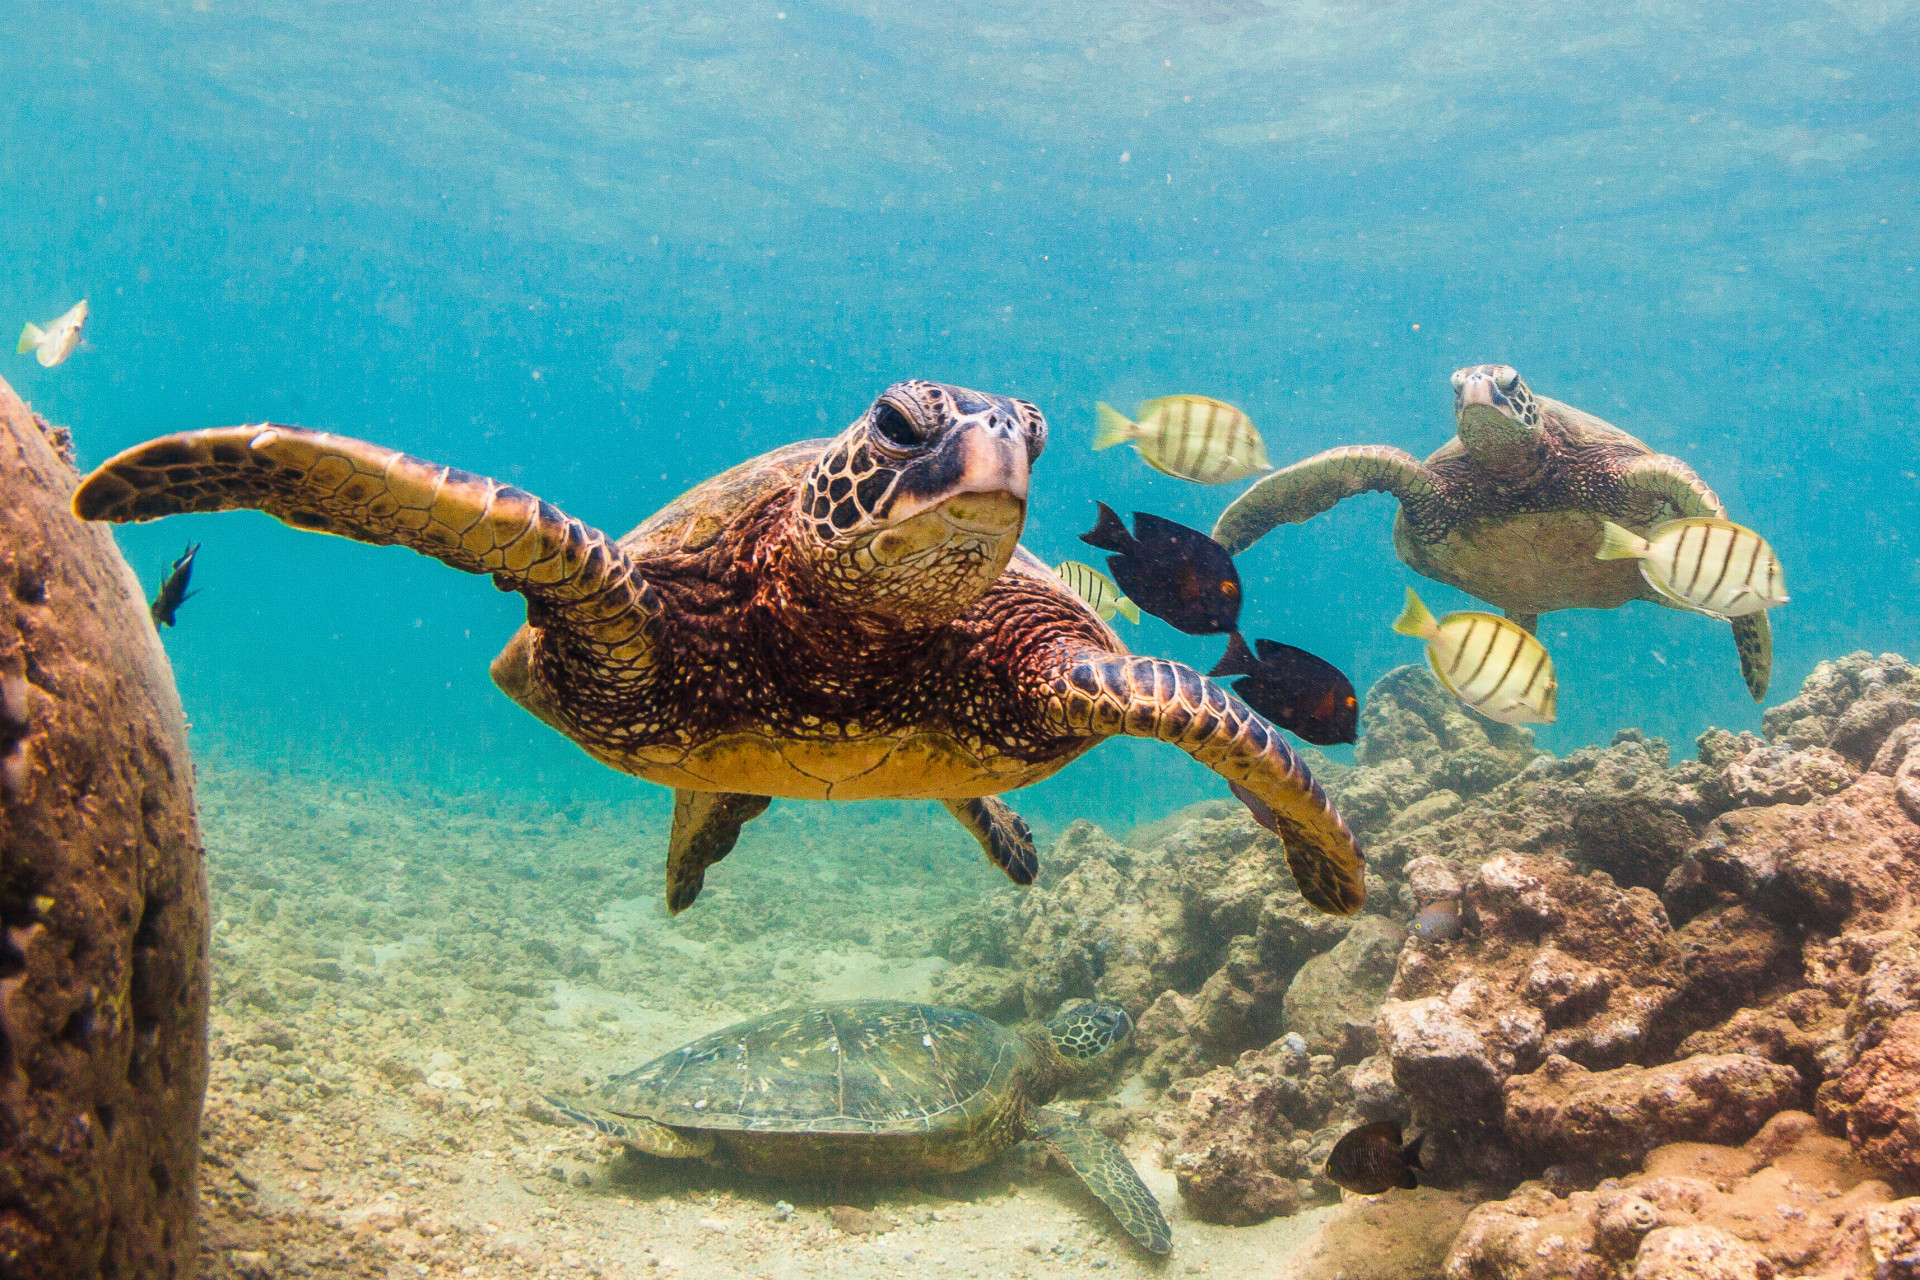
603, 250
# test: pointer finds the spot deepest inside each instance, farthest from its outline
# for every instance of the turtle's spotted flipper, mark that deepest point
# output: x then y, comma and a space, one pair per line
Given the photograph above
641, 1134
1002, 833
1753, 635
334, 484
1104, 1167
1302, 491
706, 824
1103, 694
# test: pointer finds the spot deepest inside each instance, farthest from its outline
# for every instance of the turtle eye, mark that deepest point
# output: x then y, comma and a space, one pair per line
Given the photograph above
1505, 378
893, 426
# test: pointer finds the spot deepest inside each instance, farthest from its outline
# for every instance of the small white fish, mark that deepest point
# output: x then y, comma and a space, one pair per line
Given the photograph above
56, 342
1491, 664
1704, 564
1188, 437
1098, 590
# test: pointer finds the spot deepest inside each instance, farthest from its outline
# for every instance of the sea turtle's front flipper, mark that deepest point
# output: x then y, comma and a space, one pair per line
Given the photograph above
1305, 489
1002, 833
571, 573
1104, 1167
643, 1135
1667, 480
1753, 636
705, 826
1103, 694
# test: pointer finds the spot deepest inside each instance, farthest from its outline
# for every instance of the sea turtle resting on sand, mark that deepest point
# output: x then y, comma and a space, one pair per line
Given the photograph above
1510, 510
842, 619
877, 1089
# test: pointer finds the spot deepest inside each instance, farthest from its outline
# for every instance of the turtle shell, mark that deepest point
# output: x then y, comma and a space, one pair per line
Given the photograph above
865, 1067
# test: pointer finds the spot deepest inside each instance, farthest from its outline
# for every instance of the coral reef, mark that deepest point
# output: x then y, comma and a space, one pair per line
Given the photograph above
103, 897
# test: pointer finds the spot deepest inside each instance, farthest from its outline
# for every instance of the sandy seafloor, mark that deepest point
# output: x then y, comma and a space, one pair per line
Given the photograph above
398, 973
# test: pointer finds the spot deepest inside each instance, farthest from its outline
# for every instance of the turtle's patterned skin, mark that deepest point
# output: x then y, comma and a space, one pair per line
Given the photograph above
874, 1090
838, 619
1510, 509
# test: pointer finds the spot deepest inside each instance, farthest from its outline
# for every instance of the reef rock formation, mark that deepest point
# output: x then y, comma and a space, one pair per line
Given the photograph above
103, 897
1790, 1202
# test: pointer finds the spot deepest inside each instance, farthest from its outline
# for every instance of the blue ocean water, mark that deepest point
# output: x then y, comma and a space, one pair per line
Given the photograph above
604, 250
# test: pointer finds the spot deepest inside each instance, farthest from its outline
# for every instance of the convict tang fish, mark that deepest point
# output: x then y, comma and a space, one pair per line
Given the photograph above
1190, 437
1098, 590
1710, 566
1489, 663
56, 342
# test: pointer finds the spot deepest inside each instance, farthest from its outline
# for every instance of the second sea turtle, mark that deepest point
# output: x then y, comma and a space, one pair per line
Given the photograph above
1511, 509
877, 1089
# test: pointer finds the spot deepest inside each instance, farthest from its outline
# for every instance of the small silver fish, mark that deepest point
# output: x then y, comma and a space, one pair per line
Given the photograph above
1493, 665
1710, 566
1098, 590
1188, 437
1438, 921
56, 342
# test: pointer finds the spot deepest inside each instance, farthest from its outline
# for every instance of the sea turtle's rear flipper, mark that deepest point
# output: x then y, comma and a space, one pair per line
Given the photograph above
1753, 634
705, 826
1002, 833
1104, 1167
1102, 694
1305, 489
572, 573
643, 1135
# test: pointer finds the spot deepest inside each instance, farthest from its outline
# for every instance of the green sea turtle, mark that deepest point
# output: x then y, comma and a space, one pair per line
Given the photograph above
877, 1089
1510, 510
841, 619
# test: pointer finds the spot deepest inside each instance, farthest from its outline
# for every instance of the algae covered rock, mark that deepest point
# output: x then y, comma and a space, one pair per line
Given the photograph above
103, 898
1331, 1000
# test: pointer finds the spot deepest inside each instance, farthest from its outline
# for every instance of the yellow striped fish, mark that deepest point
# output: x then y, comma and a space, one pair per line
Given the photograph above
1489, 663
1190, 437
1098, 590
1710, 566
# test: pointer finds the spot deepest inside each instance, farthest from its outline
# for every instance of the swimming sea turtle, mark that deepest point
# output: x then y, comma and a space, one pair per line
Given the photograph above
1510, 510
841, 619
877, 1089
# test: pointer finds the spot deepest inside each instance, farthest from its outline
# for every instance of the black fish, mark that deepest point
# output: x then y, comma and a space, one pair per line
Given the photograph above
1304, 695
1177, 574
173, 592
1371, 1159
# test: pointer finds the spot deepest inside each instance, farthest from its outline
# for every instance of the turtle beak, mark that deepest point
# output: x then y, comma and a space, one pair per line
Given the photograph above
977, 476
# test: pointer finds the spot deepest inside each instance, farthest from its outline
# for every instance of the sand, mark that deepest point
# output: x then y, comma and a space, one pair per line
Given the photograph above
399, 973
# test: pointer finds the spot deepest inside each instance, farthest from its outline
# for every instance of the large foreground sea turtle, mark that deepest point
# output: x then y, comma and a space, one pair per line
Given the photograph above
877, 1089
840, 619
1510, 510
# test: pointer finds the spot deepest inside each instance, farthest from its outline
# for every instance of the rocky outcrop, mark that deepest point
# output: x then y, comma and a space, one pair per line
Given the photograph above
1331, 1001
1876, 1101
103, 898
1789, 1202
1570, 1114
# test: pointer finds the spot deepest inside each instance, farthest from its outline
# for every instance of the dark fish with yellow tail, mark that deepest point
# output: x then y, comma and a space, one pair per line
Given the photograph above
1307, 696
1492, 664
1709, 566
1193, 438
1098, 590
173, 591
1372, 1159
1177, 574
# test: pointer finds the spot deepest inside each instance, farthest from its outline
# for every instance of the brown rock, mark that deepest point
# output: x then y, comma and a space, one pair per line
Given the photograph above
857, 1222
103, 898
1343, 987
1564, 1111
1875, 1100
1239, 1162
1698, 1253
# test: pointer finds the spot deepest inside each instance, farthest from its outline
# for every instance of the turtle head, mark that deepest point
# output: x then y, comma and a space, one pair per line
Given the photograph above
1084, 1034
916, 508
1497, 416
